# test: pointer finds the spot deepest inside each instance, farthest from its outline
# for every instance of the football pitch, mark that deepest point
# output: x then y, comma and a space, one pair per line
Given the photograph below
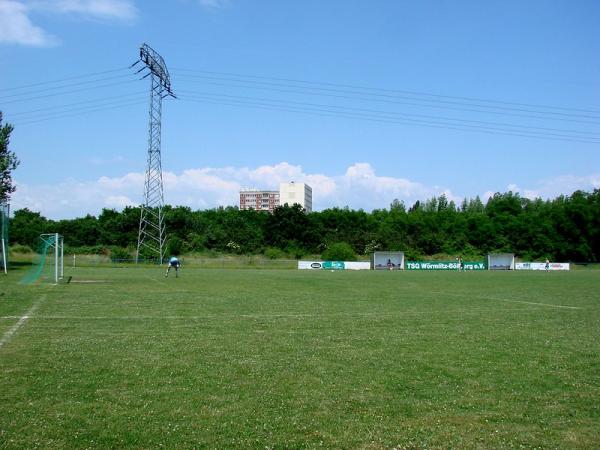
126, 358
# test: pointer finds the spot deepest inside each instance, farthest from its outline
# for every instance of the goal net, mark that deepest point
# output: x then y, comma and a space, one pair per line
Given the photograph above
501, 261
388, 260
48, 260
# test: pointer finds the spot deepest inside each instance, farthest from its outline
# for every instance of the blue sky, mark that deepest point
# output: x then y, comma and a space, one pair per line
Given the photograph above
365, 101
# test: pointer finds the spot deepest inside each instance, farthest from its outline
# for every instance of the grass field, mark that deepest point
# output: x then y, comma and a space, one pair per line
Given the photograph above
123, 357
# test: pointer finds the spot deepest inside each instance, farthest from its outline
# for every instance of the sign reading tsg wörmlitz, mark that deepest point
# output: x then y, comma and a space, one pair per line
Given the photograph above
444, 265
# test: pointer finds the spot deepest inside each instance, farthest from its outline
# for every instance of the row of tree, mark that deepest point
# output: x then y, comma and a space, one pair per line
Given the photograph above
566, 228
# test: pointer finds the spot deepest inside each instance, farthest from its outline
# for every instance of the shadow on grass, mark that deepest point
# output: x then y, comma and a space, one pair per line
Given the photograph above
19, 265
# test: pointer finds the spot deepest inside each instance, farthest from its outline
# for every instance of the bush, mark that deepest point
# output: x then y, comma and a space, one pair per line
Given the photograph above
18, 248
87, 250
295, 251
274, 253
119, 254
340, 251
196, 242
174, 246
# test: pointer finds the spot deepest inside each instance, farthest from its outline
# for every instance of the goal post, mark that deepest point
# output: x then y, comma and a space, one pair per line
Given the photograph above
4, 236
501, 261
393, 260
49, 259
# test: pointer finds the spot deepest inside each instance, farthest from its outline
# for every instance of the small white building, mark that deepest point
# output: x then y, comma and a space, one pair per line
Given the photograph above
292, 193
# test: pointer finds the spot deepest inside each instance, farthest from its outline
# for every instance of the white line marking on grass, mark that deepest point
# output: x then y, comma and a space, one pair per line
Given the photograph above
510, 300
91, 281
533, 303
10, 333
461, 312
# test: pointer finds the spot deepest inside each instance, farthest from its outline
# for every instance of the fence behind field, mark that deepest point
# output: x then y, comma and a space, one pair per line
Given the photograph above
224, 262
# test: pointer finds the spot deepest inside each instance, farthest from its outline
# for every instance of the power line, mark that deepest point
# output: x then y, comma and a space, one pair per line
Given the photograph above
41, 83
59, 107
477, 99
37, 97
383, 119
396, 102
386, 94
88, 111
29, 93
50, 115
425, 116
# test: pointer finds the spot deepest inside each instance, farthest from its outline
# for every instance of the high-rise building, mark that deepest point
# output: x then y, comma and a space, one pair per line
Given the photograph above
259, 200
299, 193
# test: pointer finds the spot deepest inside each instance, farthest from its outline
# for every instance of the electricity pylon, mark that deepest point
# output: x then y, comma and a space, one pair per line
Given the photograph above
152, 227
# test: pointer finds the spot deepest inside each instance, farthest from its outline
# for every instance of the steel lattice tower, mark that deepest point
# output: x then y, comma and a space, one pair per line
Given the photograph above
152, 227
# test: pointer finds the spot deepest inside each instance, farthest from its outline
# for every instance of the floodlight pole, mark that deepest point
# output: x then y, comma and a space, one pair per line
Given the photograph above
152, 227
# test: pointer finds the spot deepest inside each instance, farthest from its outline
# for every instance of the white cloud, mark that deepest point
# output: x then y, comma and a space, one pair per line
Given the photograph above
17, 28
358, 187
97, 9
553, 187
118, 201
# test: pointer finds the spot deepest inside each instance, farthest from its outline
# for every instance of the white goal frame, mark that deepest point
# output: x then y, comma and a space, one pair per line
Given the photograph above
501, 261
56, 241
393, 260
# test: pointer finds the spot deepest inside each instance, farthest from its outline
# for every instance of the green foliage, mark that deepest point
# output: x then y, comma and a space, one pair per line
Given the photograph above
119, 254
566, 228
339, 251
274, 253
87, 250
8, 162
20, 249
175, 246
26, 227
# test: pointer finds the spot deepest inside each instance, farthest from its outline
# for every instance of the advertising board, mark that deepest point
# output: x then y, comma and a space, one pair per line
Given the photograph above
334, 265
444, 265
541, 266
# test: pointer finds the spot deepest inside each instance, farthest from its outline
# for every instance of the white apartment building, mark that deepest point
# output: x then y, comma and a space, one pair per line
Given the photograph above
299, 193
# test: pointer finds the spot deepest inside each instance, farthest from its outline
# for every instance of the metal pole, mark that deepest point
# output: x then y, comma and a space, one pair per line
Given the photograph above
62, 257
4, 256
56, 257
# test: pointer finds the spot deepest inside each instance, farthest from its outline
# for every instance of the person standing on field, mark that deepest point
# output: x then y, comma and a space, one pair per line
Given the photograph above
173, 262
459, 264
547, 265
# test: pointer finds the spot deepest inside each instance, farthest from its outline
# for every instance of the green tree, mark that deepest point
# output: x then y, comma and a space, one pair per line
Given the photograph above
339, 251
287, 228
8, 162
26, 227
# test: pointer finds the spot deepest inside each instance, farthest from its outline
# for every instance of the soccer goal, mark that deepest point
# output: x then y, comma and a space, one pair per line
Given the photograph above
4, 237
501, 261
48, 261
388, 261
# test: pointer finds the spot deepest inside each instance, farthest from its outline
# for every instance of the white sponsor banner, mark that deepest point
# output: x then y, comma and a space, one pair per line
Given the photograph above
347, 265
361, 265
542, 266
307, 265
